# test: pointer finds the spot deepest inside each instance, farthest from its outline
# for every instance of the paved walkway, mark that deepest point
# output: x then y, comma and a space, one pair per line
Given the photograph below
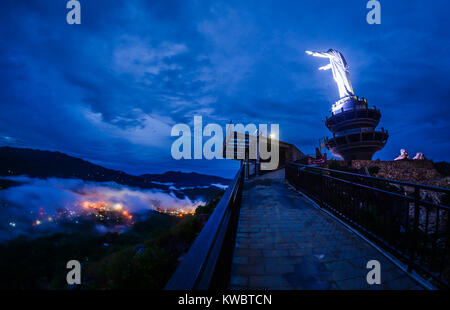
284, 242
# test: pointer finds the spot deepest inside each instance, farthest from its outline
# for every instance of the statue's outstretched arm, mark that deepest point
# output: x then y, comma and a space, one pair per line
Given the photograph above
327, 67
318, 54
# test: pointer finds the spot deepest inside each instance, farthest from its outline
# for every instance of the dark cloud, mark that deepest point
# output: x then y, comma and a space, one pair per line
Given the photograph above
110, 89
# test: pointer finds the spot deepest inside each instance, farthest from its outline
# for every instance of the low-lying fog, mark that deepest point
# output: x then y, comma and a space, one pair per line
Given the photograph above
42, 206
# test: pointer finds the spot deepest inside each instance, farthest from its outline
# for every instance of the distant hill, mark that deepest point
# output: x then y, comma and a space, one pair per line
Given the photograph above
45, 164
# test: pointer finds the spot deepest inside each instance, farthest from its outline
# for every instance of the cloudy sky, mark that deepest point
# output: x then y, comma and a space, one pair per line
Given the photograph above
110, 90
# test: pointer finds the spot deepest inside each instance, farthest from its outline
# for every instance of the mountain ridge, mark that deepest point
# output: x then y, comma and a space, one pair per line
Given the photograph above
45, 164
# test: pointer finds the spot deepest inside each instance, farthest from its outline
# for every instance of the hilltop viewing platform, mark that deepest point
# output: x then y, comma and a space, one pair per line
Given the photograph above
304, 227
284, 241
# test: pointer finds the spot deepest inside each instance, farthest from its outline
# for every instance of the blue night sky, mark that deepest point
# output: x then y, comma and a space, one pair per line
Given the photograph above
110, 90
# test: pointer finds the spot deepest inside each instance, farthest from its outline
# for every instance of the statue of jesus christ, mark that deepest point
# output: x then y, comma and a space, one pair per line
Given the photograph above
340, 70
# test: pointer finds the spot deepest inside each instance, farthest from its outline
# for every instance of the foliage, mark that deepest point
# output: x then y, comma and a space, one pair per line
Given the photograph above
40, 263
334, 165
145, 266
373, 170
210, 206
443, 168
445, 200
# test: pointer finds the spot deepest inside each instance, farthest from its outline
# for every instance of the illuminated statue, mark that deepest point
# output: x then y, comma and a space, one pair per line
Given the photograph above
340, 70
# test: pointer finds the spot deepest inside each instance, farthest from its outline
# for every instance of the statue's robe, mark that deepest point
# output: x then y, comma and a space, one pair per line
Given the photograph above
341, 74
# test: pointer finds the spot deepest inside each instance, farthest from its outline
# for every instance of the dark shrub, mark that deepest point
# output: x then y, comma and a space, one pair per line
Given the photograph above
443, 168
373, 171
334, 165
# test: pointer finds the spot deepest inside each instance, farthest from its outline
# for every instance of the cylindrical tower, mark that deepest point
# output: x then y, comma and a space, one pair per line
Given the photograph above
353, 126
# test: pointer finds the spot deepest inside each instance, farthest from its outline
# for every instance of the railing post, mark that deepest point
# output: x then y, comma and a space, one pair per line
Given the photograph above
414, 240
247, 167
258, 160
321, 187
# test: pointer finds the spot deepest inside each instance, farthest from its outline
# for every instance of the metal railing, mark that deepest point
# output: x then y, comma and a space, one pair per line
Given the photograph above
207, 264
399, 216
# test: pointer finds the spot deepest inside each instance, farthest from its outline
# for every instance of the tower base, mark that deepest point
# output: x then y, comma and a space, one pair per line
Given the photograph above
353, 125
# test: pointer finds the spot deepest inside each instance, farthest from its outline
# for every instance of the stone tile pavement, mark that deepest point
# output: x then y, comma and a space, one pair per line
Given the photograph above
284, 242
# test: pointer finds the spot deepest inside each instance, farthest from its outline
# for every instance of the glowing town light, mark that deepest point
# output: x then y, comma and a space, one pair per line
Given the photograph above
106, 211
118, 206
